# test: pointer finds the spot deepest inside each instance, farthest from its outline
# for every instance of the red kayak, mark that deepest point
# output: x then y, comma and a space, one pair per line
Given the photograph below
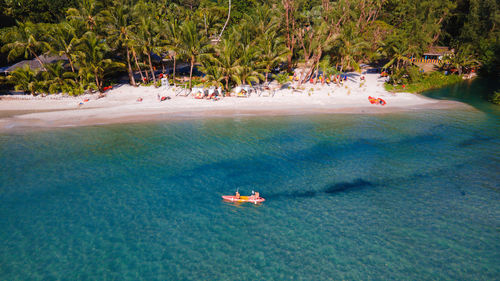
251, 199
376, 100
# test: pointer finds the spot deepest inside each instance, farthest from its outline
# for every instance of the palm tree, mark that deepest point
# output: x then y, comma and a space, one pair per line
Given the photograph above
399, 50
263, 20
63, 41
462, 59
57, 79
350, 47
93, 64
227, 20
87, 12
146, 33
173, 39
119, 27
247, 71
326, 68
210, 18
193, 45
24, 41
226, 60
213, 74
24, 79
272, 51
400, 56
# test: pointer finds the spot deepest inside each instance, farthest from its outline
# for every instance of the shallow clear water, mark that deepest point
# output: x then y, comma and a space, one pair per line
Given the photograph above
411, 196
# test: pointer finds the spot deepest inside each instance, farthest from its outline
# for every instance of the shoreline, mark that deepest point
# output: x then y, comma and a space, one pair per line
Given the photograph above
120, 105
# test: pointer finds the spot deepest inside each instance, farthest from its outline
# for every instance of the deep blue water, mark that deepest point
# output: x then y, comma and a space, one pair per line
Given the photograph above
407, 196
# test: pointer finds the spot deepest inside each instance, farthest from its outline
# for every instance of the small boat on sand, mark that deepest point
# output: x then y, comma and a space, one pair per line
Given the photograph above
373, 100
254, 198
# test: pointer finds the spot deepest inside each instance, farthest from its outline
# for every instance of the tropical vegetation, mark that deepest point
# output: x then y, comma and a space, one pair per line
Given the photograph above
495, 97
240, 41
416, 81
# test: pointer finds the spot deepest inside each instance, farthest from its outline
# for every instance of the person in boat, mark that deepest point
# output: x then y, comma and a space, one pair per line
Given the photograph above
237, 195
255, 195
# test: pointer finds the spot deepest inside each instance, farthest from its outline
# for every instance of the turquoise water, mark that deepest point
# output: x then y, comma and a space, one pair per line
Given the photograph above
407, 196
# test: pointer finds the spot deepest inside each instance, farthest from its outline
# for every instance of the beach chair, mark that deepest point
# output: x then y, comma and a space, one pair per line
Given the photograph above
182, 91
242, 94
243, 91
211, 91
266, 90
198, 92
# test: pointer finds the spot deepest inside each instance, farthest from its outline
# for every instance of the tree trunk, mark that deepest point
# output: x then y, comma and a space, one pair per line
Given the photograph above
70, 62
205, 24
311, 68
137, 64
317, 66
303, 72
289, 63
309, 73
317, 73
39, 60
227, 20
191, 71
130, 72
227, 83
77, 78
287, 5
151, 68
175, 55
146, 73
97, 81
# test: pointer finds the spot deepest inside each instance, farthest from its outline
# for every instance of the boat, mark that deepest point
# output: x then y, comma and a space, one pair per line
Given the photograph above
376, 100
241, 199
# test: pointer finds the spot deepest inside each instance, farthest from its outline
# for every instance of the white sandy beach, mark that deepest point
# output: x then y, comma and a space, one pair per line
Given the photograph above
121, 106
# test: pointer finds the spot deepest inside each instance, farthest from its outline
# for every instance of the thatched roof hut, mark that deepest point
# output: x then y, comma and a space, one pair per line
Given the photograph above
438, 51
33, 64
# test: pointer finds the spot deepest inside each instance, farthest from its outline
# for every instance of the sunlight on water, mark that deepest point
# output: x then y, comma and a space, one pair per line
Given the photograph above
393, 197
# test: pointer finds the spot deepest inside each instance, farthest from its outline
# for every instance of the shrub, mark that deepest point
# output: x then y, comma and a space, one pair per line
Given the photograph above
25, 79
495, 97
282, 78
423, 82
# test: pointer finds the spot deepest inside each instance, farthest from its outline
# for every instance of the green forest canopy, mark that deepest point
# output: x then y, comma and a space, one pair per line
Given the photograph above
102, 37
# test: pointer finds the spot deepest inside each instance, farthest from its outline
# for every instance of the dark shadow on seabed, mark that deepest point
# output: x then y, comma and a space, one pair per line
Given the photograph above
333, 188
